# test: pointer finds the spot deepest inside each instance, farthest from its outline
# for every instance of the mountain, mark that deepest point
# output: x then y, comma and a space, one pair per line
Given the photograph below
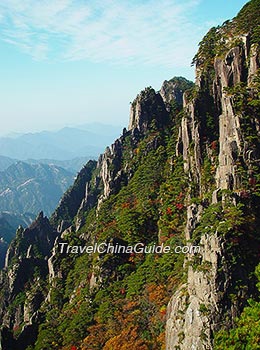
67, 143
9, 223
5, 162
185, 176
72, 165
30, 188
3, 250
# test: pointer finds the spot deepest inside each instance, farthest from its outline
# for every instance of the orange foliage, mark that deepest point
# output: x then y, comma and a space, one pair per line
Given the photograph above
127, 339
130, 306
125, 205
96, 338
161, 341
157, 295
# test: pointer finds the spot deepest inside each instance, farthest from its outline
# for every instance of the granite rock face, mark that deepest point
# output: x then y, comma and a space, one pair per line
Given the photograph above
147, 107
203, 300
172, 91
26, 264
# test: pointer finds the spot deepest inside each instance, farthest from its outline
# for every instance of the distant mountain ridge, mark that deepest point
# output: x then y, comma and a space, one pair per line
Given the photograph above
32, 187
66, 143
9, 222
5, 162
73, 165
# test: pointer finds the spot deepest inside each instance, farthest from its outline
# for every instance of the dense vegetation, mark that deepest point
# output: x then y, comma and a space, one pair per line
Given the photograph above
119, 301
129, 309
222, 38
246, 334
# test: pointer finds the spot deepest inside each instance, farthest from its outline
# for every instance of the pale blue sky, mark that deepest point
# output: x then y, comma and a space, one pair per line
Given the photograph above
67, 62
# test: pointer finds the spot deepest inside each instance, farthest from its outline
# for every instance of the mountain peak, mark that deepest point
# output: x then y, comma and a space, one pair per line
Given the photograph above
172, 90
147, 107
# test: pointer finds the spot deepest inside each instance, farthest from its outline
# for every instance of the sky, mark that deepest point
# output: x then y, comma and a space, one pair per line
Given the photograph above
72, 62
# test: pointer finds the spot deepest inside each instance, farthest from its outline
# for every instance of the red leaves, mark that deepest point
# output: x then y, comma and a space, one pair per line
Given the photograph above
16, 328
214, 145
163, 310
179, 206
73, 347
123, 291
169, 211
244, 194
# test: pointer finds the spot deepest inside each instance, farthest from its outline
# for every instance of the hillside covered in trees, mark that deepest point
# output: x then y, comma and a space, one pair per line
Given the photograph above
184, 173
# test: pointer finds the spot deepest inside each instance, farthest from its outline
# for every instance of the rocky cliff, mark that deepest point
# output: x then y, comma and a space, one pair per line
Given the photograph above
217, 132
26, 265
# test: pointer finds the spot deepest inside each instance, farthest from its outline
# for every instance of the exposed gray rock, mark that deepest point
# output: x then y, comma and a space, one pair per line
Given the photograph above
172, 91
147, 107
197, 309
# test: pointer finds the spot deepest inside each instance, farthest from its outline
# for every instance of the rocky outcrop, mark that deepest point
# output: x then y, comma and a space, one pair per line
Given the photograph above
3, 251
172, 91
73, 197
148, 107
26, 264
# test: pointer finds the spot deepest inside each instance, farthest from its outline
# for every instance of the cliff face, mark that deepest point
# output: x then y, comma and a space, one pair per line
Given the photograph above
26, 265
147, 107
230, 150
182, 174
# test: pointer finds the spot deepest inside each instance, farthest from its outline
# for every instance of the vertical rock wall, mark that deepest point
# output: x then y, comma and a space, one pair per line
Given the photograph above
197, 309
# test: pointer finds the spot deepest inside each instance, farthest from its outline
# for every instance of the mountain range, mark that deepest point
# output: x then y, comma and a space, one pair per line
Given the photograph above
64, 144
29, 188
72, 165
184, 174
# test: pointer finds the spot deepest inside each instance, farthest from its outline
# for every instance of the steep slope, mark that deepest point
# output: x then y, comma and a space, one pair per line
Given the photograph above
24, 280
179, 176
30, 188
127, 176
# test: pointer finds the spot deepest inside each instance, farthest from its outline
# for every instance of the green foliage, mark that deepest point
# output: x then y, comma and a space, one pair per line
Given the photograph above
219, 218
109, 301
248, 20
219, 40
172, 194
207, 48
246, 334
